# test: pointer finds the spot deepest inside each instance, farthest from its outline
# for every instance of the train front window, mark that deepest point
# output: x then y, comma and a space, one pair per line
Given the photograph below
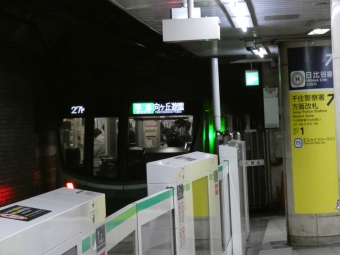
72, 142
161, 131
105, 147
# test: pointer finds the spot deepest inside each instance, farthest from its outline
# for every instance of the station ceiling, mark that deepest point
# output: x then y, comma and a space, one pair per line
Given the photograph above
50, 25
273, 21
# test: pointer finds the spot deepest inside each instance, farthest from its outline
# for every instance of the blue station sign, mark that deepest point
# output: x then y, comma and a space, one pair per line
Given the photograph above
310, 68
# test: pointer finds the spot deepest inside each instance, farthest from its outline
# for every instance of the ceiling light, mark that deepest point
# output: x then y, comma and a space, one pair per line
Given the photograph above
235, 8
241, 22
244, 29
318, 31
261, 51
239, 13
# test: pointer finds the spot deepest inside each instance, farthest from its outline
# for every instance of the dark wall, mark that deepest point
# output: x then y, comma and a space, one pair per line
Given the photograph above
238, 99
61, 56
19, 72
33, 84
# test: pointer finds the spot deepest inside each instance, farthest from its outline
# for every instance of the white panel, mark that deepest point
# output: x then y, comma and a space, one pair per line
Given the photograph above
155, 211
180, 169
71, 212
182, 13
68, 245
155, 222
271, 108
179, 30
215, 218
128, 225
233, 152
184, 170
225, 203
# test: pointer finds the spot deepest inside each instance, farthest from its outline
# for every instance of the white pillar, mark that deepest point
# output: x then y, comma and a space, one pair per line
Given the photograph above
190, 8
216, 93
335, 22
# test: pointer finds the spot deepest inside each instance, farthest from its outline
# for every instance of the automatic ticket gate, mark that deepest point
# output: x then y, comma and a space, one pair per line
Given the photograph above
232, 158
224, 186
60, 222
195, 206
194, 179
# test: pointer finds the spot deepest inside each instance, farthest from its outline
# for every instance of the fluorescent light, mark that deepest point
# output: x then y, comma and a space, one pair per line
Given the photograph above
318, 31
237, 9
260, 52
239, 13
244, 29
241, 22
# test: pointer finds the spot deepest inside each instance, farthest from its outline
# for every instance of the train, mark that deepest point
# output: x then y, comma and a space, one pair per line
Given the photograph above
105, 147
135, 92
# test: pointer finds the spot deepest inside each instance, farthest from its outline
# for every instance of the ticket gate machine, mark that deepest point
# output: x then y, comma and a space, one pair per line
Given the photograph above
233, 152
63, 221
226, 222
194, 178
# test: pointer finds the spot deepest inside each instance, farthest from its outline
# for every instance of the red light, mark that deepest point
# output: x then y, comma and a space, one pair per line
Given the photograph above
6, 195
69, 185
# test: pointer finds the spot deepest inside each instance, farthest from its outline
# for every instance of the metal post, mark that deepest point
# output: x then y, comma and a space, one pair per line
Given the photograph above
268, 169
190, 8
216, 94
258, 168
252, 168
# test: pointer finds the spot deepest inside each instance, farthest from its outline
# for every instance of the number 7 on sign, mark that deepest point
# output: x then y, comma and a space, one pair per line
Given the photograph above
330, 100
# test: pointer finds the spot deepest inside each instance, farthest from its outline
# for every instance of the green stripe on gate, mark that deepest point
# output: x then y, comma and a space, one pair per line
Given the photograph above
119, 219
86, 244
154, 200
116, 221
220, 168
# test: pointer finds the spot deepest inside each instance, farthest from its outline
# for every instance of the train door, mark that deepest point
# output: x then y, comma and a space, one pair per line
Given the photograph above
72, 134
105, 149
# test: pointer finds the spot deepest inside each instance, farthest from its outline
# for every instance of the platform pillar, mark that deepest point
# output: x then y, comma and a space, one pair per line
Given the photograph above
335, 21
310, 174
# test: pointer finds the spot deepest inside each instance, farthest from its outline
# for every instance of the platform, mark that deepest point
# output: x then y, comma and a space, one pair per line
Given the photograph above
268, 237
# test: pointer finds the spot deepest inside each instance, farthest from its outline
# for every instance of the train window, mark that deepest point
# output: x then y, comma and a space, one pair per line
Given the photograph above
72, 141
132, 133
105, 147
161, 131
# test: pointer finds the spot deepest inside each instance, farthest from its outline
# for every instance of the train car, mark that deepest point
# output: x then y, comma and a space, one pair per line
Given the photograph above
105, 145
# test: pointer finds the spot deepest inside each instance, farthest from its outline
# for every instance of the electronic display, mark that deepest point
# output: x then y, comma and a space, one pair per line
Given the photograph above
252, 78
155, 108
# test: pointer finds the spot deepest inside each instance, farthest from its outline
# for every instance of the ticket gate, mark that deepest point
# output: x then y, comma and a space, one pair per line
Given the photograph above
63, 221
195, 206
233, 152
225, 208
194, 179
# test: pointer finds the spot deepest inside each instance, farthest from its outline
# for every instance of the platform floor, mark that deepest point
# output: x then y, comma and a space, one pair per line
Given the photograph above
268, 237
